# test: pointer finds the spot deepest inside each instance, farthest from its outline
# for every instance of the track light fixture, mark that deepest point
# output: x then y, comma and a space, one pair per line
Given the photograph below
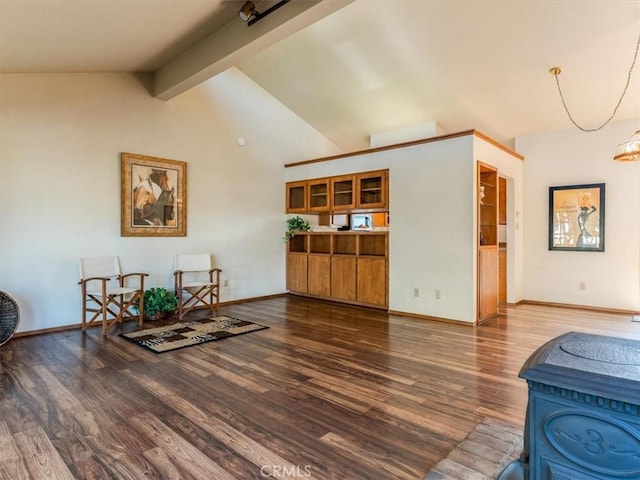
249, 14
247, 11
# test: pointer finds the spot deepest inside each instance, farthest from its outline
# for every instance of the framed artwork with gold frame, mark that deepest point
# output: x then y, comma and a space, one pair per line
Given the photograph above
576, 218
154, 196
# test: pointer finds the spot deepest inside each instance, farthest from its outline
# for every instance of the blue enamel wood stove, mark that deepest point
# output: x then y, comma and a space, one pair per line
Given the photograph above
583, 419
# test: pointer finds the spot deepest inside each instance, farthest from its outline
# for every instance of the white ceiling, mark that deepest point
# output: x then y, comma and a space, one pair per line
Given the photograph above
372, 66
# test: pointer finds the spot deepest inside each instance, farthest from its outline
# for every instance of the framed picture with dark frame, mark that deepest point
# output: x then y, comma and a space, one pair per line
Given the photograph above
576, 218
154, 196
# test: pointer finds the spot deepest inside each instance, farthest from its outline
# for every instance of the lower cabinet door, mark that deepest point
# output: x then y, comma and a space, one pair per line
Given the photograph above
487, 283
343, 277
319, 275
372, 281
297, 273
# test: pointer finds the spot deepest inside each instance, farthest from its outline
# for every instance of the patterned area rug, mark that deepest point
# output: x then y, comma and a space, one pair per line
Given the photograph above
186, 334
483, 454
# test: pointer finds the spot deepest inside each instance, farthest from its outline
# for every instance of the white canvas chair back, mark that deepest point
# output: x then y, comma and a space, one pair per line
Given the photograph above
196, 262
195, 266
99, 267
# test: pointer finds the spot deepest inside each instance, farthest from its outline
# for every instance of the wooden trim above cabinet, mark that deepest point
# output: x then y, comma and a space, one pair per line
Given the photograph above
412, 143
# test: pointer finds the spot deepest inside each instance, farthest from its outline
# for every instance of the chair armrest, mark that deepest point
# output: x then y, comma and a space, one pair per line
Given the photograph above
217, 273
85, 280
83, 284
134, 274
121, 278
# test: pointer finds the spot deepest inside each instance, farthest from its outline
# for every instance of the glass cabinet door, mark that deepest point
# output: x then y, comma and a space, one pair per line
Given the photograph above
372, 190
343, 195
296, 197
319, 194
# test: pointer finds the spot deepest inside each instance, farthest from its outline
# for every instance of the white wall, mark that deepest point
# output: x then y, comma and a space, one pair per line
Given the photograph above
61, 136
573, 157
432, 232
432, 210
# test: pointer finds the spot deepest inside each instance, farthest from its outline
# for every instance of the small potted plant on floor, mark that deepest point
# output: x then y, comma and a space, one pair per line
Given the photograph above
158, 302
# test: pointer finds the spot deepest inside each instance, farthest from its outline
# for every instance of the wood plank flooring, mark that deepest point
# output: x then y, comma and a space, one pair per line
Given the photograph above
327, 392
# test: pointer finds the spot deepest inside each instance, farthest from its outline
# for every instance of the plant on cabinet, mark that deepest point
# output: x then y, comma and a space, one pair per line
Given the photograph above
296, 225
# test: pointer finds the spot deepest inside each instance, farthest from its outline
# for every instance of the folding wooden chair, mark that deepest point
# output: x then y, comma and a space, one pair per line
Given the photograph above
196, 283
105, 302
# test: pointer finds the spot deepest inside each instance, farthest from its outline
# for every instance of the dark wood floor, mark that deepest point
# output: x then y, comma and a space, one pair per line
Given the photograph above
328, 392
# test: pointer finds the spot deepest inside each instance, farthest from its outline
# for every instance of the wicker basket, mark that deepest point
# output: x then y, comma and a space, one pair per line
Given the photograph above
9, 317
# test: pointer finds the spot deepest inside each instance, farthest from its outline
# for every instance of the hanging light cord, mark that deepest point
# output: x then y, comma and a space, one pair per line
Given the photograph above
556, 71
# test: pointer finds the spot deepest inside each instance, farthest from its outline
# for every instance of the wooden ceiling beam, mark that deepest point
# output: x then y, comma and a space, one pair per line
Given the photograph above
235, 42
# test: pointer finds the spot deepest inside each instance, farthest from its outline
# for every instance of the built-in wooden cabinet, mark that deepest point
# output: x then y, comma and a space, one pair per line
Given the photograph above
345, 266
339, 194
349, 267
487, 202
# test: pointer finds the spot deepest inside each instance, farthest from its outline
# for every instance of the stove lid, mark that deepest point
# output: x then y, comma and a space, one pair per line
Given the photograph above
589, 363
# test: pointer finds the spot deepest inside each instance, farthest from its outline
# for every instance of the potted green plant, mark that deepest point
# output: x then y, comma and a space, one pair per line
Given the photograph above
158, 301
295, 225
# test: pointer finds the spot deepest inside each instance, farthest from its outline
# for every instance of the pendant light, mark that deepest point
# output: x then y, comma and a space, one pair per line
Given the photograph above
628, 151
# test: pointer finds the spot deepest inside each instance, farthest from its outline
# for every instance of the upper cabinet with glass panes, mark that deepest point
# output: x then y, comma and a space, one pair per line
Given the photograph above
366, 191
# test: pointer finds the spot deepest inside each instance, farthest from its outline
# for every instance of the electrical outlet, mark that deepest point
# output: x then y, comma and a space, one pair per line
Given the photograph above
416, 292
582, 286
226, 283
437, 294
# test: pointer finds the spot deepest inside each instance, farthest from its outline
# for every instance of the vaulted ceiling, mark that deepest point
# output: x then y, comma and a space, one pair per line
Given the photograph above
352, 68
